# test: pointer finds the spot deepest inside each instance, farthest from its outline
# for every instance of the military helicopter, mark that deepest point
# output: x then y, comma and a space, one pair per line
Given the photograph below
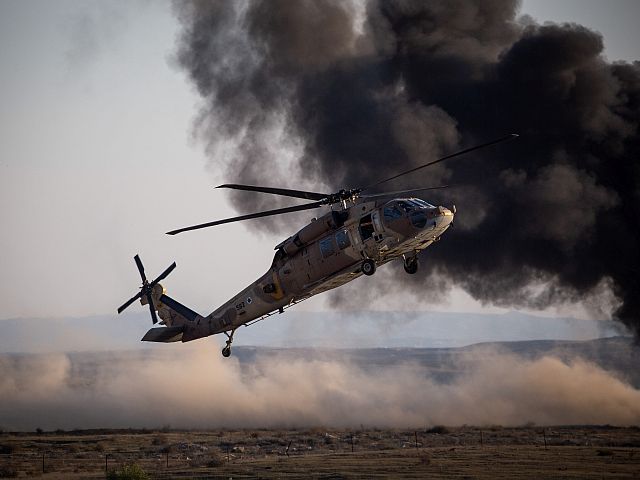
360, 233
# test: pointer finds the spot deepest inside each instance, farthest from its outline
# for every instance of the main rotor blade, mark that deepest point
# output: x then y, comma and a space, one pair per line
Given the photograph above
267, 213
140, 268
277, 191
456, 154
163, 275
129, 302
402, 192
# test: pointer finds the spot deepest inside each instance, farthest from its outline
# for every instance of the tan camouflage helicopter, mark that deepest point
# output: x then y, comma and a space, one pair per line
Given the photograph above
359, 233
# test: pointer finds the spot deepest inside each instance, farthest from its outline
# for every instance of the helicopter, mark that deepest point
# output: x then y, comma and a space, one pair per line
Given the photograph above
360, 233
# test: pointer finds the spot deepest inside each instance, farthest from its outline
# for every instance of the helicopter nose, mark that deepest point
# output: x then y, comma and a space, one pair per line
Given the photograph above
446, 215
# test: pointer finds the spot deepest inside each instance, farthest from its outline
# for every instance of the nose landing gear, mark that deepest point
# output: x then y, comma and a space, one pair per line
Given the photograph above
411, 264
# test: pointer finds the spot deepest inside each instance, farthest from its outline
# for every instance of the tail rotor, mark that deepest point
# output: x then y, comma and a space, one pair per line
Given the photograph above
147, 288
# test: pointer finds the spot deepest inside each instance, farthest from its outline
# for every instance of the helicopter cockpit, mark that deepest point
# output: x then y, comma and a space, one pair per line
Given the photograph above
415, 209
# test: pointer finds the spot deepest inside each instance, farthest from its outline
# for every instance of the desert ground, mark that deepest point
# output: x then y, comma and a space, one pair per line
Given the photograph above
438, 452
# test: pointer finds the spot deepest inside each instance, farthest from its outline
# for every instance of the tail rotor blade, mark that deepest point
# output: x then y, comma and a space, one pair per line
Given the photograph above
146, 290
152, 309
164, 274
129, 302
140, 268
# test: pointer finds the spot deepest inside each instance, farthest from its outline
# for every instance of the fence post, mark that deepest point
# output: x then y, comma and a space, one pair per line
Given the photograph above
415, 434
167, 453
42, 462
544, 434
481, 439
106, 466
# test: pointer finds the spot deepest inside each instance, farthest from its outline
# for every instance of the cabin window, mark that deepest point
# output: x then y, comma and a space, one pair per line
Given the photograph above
327, 247
366, 227
342, 239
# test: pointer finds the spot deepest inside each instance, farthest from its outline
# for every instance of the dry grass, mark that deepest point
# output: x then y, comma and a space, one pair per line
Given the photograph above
571, 452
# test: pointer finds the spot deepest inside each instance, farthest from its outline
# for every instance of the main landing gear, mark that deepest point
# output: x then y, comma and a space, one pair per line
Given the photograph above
411, 264
226, 351
368, 267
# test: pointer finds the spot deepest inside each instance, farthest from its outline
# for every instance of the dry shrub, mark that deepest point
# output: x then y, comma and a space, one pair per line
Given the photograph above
8, 472
167, 449
438, 429
128, 472
72, 448
6, 449
215, 460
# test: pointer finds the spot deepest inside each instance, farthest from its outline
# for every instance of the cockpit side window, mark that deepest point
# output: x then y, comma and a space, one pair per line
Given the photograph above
391, 212
418, 219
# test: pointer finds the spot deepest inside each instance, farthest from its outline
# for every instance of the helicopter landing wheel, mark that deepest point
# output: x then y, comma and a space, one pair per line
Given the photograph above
411, 265
368, 267
226, 351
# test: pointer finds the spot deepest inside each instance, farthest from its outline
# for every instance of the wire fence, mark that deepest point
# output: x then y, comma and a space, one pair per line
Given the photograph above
94, 465
167, 456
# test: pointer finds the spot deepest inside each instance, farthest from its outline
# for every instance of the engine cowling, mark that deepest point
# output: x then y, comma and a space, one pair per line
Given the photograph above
312, 231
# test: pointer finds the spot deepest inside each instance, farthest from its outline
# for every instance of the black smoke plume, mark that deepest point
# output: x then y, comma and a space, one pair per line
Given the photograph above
352, 92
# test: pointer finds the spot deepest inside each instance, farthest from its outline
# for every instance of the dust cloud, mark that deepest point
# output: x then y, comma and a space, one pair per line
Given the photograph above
195, 388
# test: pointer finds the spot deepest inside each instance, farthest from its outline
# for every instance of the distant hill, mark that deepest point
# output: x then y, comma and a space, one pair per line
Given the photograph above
308, 329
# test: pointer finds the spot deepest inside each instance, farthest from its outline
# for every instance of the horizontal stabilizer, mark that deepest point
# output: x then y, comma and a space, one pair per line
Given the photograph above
163, 334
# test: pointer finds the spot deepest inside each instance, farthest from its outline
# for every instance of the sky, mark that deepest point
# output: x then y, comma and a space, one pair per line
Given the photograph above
98, 159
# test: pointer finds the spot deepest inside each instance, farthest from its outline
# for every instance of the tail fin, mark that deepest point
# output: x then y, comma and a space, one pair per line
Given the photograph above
174, 307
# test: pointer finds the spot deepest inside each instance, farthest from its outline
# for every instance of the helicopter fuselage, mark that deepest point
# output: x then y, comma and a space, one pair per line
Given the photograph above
325, 254
368, 231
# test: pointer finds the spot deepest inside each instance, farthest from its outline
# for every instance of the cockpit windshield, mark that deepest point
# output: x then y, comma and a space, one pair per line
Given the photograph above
406, 207
420, 203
